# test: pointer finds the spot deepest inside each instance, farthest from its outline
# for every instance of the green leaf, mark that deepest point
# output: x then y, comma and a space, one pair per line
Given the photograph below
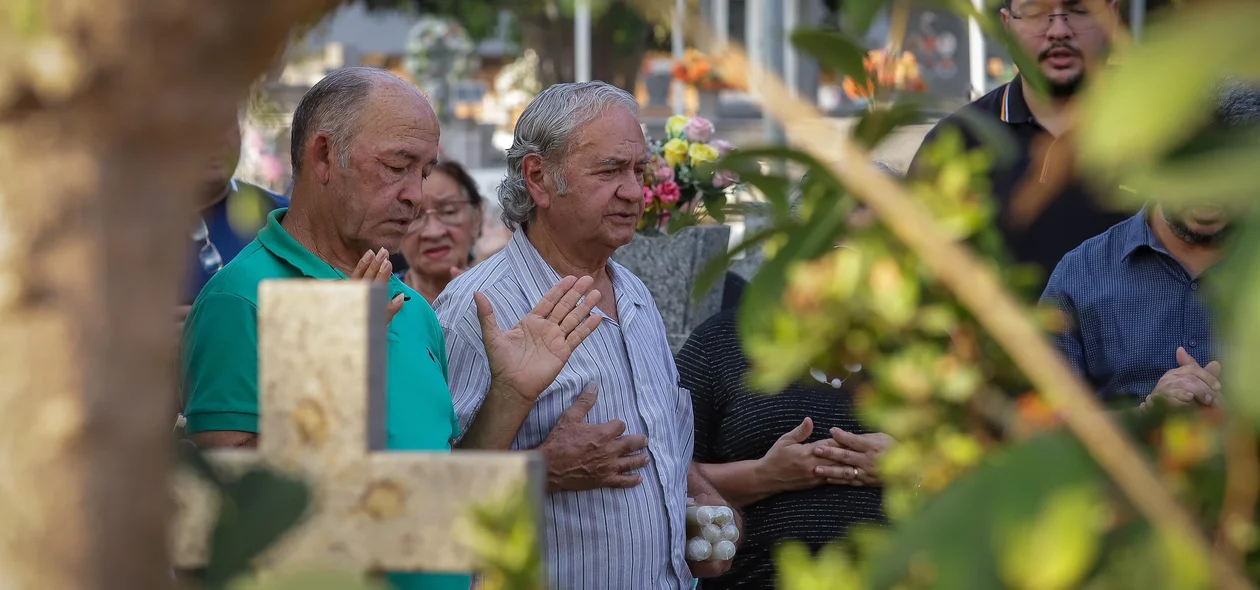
877, 123
715, 206
191, 456
26, 18
991, 25
1225, 175
1161, 95
679, 219
859, 14
1236, 290
763, 295
255, 511
994, 136
960, 533
717, 267
835, 52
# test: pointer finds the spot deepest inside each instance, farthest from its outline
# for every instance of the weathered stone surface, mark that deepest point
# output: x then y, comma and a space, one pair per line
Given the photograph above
321, 376
669, 265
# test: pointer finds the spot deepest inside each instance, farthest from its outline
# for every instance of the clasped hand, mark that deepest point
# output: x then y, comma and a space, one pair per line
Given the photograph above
843, 459
1189, 383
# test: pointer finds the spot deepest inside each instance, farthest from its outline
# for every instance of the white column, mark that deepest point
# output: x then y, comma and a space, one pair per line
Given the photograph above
582, 41
753, 34
791, 67
722, 23
677, 44
977, 51
1137, 17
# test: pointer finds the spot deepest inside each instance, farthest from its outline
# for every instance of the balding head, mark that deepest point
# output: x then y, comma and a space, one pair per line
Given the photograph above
333, 105
363, 142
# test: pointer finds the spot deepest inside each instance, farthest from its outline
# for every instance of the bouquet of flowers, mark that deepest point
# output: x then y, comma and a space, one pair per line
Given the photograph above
679, 187
899, 74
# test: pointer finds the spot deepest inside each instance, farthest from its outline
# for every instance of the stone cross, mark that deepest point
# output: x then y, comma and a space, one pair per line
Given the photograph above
321, 417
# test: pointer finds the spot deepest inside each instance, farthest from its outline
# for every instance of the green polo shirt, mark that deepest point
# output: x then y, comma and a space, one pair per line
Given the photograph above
219, 356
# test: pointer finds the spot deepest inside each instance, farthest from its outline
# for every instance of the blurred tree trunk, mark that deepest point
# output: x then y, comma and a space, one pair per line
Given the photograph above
618, 42
109, 111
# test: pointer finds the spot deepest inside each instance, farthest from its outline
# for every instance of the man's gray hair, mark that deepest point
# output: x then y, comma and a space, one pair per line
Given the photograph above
332, 105
1237, 104
548, 128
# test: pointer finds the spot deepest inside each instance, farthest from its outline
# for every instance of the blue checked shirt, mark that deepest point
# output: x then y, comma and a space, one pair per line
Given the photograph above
1128, 304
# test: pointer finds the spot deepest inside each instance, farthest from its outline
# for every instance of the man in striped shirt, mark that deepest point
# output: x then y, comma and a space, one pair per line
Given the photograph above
614, 427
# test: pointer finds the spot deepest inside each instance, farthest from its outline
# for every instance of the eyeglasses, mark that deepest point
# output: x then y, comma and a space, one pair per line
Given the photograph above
450, 214
1038, 20
211, 260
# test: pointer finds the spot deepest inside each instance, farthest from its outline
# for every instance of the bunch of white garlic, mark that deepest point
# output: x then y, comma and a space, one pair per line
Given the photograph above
711, 533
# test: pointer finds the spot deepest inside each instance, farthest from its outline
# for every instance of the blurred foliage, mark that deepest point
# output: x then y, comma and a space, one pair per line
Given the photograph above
984, 488
255, 510
504, 536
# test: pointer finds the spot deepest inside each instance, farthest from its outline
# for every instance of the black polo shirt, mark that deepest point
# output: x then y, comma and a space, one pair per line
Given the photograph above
1064, 219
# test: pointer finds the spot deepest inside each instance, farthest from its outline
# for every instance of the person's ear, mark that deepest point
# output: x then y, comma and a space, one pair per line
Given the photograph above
538, 181
320, 157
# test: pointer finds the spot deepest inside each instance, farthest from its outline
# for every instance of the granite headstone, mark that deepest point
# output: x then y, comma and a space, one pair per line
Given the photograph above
669, 266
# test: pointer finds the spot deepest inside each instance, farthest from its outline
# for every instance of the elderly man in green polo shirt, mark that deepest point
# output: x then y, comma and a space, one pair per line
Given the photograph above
363, 142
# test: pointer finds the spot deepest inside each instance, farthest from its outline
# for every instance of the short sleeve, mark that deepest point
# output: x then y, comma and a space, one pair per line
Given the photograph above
219, 365
695, 373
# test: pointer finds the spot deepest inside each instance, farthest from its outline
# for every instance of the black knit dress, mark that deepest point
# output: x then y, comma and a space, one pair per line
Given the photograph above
734, 424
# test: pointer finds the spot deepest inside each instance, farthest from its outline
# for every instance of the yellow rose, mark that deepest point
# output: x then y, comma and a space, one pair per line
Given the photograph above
675, 125
702, 153
675, 152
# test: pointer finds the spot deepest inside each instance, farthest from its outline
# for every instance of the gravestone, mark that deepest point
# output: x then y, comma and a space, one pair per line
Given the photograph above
321, 418
669, 266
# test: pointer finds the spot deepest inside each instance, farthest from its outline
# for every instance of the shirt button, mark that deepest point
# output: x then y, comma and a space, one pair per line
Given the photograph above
1194, 286
1194, 343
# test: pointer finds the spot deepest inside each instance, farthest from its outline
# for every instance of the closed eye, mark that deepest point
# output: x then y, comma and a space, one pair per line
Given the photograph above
396, 170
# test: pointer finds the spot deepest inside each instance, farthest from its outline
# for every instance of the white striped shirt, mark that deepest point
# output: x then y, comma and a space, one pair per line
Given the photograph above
610, 539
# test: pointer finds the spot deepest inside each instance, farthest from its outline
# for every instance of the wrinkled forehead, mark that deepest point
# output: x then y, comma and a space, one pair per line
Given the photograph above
404, 110
613, 134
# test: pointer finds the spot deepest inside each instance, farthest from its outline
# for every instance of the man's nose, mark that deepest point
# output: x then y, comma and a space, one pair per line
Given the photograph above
1059, 28
631, 189
413, 193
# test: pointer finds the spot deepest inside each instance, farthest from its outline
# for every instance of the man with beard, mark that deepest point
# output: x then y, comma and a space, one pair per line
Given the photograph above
1043, 212
1136, 325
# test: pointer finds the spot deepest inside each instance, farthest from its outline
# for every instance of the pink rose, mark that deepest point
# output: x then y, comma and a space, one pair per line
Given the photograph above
723, 147
698, 129
669, 192
724, 178
648, 195
664, 174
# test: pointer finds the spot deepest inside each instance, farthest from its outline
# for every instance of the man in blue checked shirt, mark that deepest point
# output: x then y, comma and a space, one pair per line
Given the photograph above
1137, 322
230, 214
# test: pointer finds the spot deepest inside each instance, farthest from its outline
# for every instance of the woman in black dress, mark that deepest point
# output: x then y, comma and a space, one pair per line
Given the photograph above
778, 458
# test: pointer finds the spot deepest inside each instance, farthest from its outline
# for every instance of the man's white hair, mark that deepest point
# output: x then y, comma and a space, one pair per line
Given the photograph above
547, 128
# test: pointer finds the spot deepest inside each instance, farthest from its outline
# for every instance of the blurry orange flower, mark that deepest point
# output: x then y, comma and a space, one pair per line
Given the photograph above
900, 74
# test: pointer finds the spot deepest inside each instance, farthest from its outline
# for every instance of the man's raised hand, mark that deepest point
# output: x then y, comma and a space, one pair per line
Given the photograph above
526, 359
376, 267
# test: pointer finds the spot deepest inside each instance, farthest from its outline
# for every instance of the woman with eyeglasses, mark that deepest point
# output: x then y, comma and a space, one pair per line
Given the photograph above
438, 245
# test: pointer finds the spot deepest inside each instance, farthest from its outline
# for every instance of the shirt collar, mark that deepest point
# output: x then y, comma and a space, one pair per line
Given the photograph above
1013, 108
537, 277
276, 240
1135, 234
